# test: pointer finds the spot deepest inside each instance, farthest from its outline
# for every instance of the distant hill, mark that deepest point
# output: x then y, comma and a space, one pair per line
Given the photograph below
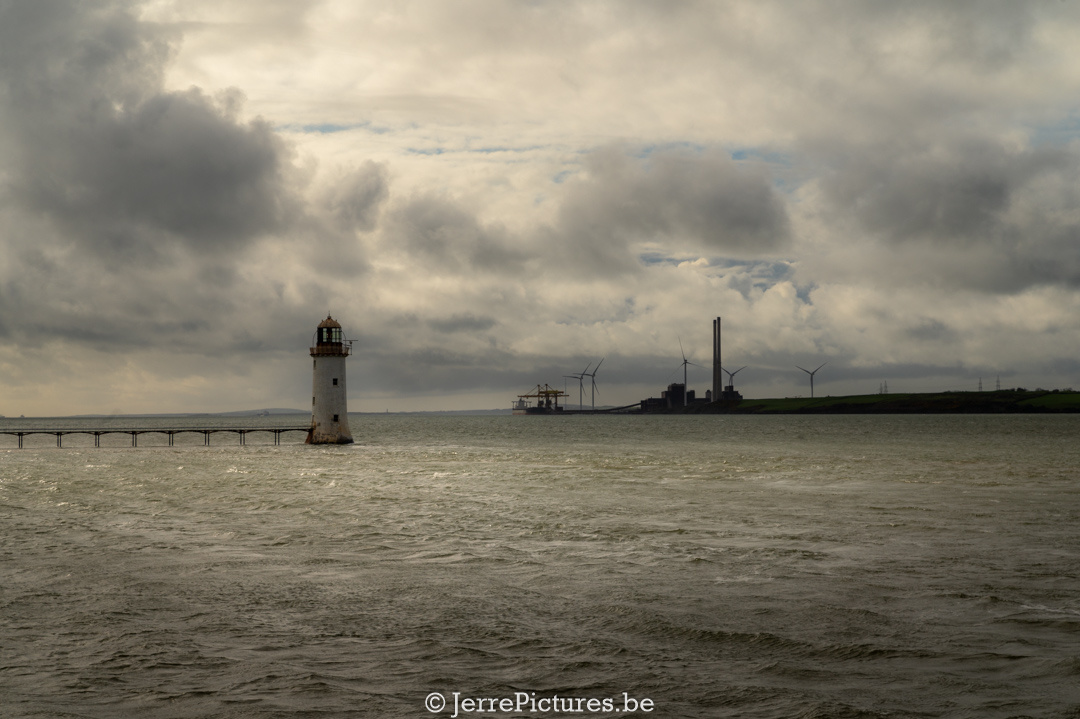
446, 412
240, 413
259, 412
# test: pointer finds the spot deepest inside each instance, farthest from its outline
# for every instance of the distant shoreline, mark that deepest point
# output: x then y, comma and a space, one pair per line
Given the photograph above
995, 402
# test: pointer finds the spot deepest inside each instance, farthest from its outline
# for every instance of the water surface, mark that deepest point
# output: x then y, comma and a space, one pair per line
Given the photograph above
831, 566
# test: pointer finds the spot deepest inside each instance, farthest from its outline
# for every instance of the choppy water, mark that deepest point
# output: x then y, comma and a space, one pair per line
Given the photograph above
921, 566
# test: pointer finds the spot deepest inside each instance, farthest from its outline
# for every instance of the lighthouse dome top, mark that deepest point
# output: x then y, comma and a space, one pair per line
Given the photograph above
329, 340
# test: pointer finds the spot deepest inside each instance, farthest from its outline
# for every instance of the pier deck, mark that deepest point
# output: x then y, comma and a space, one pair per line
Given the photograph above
171, 432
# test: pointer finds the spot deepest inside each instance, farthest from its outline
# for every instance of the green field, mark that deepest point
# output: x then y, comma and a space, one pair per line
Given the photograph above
1041, 401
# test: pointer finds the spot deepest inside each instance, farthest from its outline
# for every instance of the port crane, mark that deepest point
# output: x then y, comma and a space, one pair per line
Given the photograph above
547, 400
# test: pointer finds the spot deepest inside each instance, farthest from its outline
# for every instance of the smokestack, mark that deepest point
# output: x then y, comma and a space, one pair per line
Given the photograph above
717, 371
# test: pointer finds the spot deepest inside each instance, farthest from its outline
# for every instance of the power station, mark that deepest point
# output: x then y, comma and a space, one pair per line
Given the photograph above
329, 414
681, 396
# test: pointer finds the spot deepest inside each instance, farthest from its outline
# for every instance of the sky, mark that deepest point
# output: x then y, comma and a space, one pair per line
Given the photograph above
493, 195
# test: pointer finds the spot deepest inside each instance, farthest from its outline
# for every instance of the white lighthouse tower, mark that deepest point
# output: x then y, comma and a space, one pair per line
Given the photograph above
329, 421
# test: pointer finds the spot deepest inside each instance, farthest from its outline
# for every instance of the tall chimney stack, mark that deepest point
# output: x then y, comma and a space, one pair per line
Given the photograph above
717, 369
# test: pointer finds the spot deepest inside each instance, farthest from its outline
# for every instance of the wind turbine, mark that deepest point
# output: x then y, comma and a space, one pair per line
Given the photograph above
581, 385
811, 376
685, 362
593, 376
731, 377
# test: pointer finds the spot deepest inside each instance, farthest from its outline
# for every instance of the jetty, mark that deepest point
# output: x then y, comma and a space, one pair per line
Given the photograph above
135, 432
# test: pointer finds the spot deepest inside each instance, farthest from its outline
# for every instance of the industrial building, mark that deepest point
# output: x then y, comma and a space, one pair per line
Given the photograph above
677, 396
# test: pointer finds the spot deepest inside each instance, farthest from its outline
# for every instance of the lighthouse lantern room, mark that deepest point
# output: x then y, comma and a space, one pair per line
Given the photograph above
329, 415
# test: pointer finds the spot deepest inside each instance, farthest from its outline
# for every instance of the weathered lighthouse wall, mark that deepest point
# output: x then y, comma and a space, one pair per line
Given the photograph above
329, 418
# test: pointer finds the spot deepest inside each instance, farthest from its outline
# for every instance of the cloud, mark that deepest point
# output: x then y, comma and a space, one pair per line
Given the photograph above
512, 190
703, 200
441, 236
128, 169
355, 198
964, 211
956, 192
462, 323
173, 169
125, 209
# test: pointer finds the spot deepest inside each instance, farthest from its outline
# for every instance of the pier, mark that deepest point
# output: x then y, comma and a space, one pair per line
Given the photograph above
171, 432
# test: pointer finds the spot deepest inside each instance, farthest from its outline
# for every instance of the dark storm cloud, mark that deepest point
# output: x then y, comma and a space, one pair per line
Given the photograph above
94, 143
331, 235
931, 330
356, 198
705, 200
953, 193
67, 53
440, 235
126, 208
462, 323
433, 369
670, 198
986, 36
173, 169
1008, 210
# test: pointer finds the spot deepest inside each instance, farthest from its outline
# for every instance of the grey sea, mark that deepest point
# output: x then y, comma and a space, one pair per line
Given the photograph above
497, 566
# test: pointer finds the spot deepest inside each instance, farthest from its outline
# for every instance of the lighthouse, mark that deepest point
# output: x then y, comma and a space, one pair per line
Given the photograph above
329, 421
